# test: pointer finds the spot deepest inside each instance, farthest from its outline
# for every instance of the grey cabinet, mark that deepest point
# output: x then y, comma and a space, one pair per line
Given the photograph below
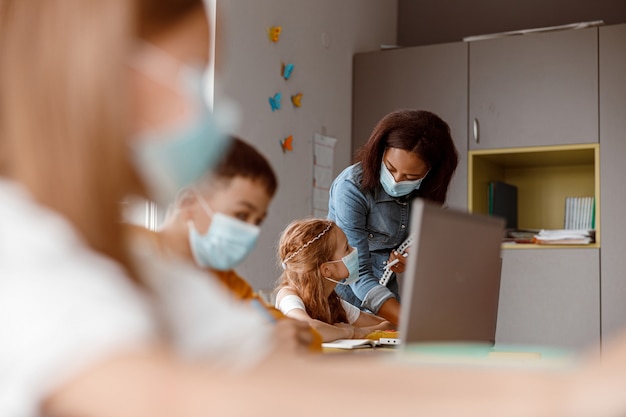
613, 176
550, 297
430, 78
533, 90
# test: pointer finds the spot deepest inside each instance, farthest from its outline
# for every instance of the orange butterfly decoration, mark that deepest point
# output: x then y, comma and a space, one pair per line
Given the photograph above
287, 144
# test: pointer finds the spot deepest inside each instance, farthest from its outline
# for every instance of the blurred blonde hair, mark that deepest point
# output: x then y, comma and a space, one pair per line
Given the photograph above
65, 105
64, 110
302, 273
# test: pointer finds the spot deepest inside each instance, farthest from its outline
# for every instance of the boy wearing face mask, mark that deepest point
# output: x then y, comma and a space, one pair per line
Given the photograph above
316, 258
216, 222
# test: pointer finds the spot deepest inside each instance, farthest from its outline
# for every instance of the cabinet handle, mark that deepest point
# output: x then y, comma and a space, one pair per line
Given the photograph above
476, 131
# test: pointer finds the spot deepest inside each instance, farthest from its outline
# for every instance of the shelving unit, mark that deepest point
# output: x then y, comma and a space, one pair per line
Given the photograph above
544, 176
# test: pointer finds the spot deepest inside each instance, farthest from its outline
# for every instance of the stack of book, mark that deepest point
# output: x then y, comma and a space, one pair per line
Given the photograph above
521, 235
565, 237
579, 213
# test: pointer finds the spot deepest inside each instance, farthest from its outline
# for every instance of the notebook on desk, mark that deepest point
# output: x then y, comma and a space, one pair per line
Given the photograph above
452, 282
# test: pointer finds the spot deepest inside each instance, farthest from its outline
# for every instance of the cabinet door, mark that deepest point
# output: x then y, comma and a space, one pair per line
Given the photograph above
432, 78
533, 90
550, 297
613, 176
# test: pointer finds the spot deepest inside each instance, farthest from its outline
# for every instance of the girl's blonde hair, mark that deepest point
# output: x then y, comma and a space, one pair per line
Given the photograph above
304, 245
65, 105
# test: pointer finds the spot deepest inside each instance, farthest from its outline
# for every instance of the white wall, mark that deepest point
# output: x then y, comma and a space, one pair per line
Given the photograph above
249, 72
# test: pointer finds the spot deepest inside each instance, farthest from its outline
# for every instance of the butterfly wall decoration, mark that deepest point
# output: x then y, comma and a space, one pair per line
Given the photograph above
286, 70
275, 102
287, 144
274, 33
296, 100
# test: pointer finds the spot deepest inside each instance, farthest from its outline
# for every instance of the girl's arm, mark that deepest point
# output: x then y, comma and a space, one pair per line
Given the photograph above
364, 323
294, 308
368, 323
329, 332
120, 386
367, 319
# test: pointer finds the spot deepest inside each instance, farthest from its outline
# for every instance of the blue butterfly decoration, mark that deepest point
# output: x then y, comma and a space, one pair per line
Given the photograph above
287, 70
275, 101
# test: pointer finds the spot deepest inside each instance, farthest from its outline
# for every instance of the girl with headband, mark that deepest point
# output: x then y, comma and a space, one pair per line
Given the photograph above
316, 258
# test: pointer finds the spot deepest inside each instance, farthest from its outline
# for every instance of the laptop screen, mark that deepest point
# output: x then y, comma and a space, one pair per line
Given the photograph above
451, 286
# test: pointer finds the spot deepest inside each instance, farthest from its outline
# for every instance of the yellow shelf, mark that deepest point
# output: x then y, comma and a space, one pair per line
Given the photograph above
544, 176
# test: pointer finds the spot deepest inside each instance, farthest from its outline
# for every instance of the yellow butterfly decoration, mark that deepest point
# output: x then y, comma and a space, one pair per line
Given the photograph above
296, 99
274, 33
287, 144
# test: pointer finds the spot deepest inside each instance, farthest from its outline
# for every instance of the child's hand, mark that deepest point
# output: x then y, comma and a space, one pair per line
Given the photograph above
385, 325
361, 332
292, 335
349, 329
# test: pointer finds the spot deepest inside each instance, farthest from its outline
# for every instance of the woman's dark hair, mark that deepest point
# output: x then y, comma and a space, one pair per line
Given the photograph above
243, 160
417, 131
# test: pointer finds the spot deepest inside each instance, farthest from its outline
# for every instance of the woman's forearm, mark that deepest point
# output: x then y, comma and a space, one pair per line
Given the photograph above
390, 310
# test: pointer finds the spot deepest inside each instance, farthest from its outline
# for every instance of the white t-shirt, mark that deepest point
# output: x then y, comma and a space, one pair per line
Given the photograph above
63, 308
292, 301
201, 318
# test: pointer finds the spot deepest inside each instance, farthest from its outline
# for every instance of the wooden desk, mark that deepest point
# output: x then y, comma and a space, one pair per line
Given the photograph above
473, 354
485, 355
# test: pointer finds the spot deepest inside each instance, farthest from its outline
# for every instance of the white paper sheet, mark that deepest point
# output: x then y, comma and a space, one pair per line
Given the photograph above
323, 159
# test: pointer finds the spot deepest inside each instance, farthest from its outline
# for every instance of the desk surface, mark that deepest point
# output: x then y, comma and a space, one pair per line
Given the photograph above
475, 354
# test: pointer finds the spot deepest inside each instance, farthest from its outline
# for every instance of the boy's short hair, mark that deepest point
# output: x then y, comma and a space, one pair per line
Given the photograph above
243, 160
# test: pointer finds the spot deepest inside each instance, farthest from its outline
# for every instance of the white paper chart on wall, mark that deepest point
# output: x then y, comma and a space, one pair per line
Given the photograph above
323, 158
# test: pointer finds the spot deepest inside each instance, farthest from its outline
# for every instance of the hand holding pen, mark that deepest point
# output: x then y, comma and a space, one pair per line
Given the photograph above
397, 261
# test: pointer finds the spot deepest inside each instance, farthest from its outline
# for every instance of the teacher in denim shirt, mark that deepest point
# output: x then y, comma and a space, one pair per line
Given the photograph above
409, 154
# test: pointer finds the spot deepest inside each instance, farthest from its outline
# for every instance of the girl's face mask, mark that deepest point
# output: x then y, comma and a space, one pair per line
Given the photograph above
351, 261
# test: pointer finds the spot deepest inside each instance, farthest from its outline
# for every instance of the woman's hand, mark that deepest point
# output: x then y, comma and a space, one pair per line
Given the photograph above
400, 266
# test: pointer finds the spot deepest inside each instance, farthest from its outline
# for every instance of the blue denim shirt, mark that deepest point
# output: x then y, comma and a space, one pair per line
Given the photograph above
374, 223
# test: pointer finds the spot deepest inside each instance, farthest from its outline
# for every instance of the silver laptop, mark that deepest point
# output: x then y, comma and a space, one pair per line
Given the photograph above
452, 282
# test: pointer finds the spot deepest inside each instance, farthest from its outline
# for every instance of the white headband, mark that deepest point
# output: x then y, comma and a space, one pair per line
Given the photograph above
290, 257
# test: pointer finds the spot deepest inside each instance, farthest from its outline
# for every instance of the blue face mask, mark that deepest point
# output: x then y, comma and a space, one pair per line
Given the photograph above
171, 158
226, 244
397, 189
351, 261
